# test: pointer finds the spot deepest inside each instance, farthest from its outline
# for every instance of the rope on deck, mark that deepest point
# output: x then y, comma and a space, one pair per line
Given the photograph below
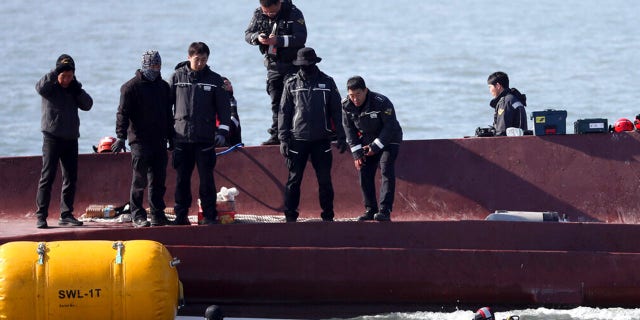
239, 218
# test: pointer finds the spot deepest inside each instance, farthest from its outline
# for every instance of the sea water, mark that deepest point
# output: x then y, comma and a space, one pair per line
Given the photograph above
431, 58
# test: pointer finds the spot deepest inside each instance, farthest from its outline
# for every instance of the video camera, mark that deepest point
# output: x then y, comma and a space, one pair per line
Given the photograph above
485, 132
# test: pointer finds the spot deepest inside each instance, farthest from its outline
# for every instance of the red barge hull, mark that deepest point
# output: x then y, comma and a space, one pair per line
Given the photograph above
438, 252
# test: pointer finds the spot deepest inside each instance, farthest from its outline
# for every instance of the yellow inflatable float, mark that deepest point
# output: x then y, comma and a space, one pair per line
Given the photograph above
88, 280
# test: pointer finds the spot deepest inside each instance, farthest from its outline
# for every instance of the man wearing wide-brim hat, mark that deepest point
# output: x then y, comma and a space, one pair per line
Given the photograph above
312, 96
306, 57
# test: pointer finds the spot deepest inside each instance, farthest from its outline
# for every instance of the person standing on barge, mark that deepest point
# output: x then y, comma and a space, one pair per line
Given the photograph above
62, 96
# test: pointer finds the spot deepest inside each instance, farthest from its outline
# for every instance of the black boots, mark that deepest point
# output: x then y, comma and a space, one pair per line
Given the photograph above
381, 216
368, 215
69, 220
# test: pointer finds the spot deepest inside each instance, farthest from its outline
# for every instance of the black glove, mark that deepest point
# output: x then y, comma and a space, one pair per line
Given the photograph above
75, 87
220, 140
118, 146
358, 154
62, 68
284, 149
342, 145
170, 145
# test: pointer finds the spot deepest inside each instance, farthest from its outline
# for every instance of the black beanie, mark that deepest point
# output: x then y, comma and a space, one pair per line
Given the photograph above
65, 63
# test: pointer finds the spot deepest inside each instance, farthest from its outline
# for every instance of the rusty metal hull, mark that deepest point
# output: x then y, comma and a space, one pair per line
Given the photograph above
438, 252
350, 268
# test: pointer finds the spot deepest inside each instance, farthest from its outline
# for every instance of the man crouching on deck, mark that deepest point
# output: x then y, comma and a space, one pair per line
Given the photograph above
374, 135
62, 96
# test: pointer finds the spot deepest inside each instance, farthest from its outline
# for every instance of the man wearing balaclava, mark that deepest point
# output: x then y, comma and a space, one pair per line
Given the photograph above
145, 118
310, 116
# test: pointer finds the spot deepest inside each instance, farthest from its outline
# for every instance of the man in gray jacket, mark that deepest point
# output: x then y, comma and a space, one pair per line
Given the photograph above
62, 96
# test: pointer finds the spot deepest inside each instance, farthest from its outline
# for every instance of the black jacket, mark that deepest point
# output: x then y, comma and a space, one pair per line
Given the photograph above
374, 123
509, 111
145, 112
291, 31
235, 132
60, 106
310, 108
198, 97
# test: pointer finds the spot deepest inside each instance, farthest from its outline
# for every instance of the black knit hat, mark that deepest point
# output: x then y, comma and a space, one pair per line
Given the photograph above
65, 63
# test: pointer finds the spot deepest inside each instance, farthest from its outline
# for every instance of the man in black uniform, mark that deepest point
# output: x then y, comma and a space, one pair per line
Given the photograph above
145, 117
509, 104
313, 98
278, 29
374, 135
199, 98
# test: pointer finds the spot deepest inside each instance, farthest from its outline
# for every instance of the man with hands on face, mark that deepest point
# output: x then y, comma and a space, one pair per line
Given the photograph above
62, 96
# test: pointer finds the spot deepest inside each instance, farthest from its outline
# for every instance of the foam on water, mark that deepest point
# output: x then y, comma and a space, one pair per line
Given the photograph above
581, 313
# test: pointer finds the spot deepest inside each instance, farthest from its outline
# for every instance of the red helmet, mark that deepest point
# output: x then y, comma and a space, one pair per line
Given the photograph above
623, 124
636, 122
105, 144
484, 313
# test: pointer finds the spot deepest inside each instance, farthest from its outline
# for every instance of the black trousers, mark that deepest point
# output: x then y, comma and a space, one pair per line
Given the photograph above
149, 163
321, 159
276, 75
186, 156
56, 150
386, 160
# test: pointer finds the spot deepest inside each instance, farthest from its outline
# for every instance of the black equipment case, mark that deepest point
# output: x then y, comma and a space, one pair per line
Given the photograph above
582, 126
549, 122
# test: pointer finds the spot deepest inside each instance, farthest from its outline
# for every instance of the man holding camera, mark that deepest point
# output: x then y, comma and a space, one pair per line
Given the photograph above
278, 29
